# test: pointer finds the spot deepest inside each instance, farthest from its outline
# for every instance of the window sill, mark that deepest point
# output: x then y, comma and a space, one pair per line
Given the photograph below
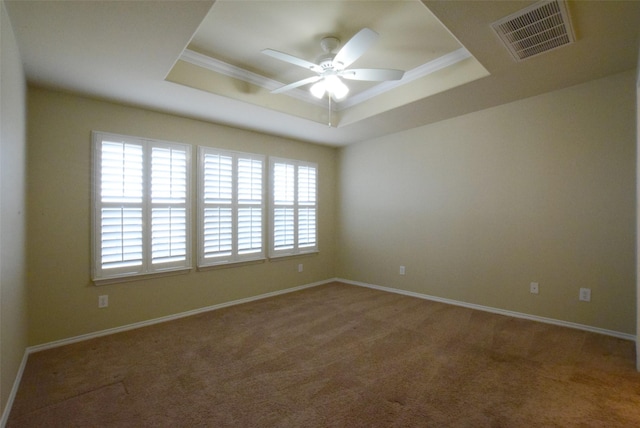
279, 257
226, 265
140, 277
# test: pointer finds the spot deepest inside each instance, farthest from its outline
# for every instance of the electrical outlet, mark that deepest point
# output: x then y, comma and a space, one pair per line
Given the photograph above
103, 301
585, 295
300, 267
534, 288
401, 270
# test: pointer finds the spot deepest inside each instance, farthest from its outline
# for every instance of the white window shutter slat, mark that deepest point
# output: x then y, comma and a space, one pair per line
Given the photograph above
249, 180
306, 185
283, 183
217, 232
121, 237
168, 175
307, 227
121, 178
249, 230
218, 177
169, 234
283, 236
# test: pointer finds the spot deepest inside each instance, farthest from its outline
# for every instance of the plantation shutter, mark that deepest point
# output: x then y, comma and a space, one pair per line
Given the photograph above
283, 201
307, 206
218, 223
293, 207
232, 207
141, 206
249, 205
168, 202
121, 194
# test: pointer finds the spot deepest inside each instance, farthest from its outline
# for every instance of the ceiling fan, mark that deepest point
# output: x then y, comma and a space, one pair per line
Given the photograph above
330, 67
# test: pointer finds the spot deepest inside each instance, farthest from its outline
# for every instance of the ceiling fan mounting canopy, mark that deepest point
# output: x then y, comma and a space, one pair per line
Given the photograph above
329, 44
330, 66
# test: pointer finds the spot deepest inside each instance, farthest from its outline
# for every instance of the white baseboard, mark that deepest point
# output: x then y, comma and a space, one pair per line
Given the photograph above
613, 333
14, 390
141, 324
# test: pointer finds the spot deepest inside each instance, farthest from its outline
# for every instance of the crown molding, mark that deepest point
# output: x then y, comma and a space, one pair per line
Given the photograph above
234, 72
409, 76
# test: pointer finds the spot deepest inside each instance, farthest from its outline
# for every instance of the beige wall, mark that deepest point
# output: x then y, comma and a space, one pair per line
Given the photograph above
13, 286
637, 213
63, 301
477, 207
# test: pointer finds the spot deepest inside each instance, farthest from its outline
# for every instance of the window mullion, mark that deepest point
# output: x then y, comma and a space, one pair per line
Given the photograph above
234, 207
296, 207
146, 206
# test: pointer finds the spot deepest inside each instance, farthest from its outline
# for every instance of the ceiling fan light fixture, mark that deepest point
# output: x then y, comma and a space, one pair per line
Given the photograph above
331, 85
336, 87
318, 89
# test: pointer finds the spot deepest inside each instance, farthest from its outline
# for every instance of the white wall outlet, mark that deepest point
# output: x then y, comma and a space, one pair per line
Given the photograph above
585, 294
401, 270
300, 267
103, 301
534, 288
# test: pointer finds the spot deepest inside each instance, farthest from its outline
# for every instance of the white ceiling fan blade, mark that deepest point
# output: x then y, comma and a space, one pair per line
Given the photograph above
372, 74
355, 47
293, 60
296, 84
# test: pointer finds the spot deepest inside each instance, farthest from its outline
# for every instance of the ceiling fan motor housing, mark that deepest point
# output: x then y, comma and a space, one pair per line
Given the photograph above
326, 61
328, 45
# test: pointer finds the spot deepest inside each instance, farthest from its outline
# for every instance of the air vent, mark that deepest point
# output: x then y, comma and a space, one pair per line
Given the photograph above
539, 28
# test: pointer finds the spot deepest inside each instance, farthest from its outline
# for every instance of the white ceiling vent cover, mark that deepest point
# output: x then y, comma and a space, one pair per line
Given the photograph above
536, 29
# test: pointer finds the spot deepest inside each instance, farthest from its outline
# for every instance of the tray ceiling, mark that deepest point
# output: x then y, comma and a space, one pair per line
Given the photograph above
159, 55
226, 59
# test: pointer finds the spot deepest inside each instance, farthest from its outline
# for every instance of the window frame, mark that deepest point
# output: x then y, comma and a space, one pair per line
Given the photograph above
235, 256
101, 275
297, 205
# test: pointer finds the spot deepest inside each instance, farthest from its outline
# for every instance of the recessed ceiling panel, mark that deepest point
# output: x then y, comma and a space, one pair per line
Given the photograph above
233, 35
237, 31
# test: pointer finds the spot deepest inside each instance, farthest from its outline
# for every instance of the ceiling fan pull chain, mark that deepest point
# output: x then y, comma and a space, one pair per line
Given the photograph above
330, 111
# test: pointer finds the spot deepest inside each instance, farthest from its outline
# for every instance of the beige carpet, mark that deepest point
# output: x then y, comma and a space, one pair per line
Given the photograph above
335, 356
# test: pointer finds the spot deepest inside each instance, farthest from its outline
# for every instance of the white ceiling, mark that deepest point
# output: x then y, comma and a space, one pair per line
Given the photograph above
127, 51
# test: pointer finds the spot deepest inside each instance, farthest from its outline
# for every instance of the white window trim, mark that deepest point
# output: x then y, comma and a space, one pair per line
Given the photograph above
235, 258
147, 269
296, 250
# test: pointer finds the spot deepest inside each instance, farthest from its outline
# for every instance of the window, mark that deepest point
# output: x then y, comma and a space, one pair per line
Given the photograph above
231, 211
293, 207
141, 209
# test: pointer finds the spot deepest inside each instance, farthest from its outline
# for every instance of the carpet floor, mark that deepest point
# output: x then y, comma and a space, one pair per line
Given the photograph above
335, 356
